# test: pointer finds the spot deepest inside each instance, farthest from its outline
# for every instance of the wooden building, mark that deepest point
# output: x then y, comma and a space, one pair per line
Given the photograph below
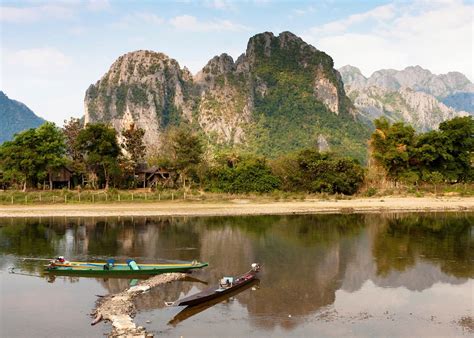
149, 177
60, 178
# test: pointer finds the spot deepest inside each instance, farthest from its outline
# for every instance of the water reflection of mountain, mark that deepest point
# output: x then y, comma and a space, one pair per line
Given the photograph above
305, 259
390, 256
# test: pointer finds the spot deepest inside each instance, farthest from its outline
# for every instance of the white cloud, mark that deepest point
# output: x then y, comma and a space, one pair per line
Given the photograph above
437, 35
304, 11
77, 30
58, 10
37, 60
98, 5
35, 13
138, 19
191, 23
220, 4
378, 14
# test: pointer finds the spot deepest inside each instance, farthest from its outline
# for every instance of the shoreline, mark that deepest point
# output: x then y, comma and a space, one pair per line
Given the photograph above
242, 207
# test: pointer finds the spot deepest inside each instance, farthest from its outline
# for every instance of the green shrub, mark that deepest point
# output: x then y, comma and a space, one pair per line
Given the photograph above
251, 174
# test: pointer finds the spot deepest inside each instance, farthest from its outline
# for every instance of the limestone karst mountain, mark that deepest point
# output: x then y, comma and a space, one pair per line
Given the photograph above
15, 117
413, 95
278, 96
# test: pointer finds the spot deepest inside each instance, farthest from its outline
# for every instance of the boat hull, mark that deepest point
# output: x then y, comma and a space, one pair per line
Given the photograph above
215, 292
97, 269
190, 311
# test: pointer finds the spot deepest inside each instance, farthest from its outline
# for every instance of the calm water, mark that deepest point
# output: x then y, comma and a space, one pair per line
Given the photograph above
324, 275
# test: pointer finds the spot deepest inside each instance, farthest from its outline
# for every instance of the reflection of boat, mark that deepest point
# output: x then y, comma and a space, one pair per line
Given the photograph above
226, 286
190, 311
60, 266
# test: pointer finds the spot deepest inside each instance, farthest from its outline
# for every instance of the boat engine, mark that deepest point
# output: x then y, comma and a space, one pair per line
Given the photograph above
255, 267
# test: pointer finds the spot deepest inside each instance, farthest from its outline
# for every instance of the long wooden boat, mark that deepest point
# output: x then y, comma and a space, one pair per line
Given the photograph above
226, 286
190, 311
109, 268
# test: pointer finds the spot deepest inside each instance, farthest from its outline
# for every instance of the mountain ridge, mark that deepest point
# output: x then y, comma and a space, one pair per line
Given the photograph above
279, 95
414, 77
408, 95
18, 115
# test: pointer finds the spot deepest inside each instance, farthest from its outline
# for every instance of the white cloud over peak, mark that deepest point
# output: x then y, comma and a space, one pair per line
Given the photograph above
138, 18
191, 23
379, 14
437, 35
45, 60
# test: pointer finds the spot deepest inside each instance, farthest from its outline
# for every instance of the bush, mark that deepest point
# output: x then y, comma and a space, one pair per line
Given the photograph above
251, 174
317, 172
371, 191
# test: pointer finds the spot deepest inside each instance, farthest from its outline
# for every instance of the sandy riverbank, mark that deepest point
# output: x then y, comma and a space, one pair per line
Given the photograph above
242, 207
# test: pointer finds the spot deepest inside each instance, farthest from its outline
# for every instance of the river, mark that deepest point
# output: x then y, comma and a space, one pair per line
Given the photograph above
322, 275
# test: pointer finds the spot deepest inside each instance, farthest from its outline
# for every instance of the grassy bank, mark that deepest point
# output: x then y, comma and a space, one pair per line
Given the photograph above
11, 197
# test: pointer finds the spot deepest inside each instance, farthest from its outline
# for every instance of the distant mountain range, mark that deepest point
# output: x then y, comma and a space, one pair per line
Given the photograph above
413, 95
15, 117
280, 95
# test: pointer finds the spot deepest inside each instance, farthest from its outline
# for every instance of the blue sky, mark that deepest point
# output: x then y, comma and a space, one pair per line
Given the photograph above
51, 51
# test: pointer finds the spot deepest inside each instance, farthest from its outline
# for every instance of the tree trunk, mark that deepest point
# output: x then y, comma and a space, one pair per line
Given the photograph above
24, 186
106, 179
183, 175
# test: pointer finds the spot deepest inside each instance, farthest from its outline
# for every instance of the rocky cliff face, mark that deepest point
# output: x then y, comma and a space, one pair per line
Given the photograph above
144, 87
279, 85
225, 106
410, 95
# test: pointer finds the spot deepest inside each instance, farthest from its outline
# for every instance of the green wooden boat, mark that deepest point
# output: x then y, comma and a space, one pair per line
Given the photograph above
109, 268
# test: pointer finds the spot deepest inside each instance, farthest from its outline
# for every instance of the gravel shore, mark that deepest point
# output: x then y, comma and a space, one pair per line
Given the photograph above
242, 207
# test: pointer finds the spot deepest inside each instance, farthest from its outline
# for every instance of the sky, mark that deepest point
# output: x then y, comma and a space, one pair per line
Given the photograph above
52, 51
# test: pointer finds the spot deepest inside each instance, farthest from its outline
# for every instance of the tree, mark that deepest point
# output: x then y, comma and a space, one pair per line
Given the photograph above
183, 150
409, 157
459, 135
133, 144
242, 174
98, 143
33, 154
325, 172
71, 130
393, 147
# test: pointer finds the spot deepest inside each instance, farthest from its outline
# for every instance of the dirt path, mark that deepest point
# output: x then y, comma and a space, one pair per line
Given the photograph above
242, 207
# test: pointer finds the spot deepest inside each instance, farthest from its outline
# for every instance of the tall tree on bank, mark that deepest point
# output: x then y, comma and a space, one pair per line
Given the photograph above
411, 157
98, 143
393, 147
71, 130
133, 143
33, 154
459, 133
184, 150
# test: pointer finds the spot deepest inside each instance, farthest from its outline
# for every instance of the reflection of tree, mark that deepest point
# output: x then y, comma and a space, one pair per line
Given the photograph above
442, 239
27, 238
